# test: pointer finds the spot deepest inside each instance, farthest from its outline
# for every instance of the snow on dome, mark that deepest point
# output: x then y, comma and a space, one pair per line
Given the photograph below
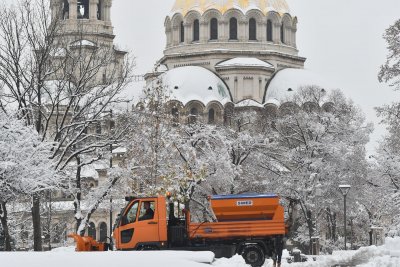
190, 83
82, 43
287, 83
245, 62
248, 103
201, 6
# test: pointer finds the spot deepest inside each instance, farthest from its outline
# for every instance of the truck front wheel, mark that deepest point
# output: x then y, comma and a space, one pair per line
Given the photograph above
254, 255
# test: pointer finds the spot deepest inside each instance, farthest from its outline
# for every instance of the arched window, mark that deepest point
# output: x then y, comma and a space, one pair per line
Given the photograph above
252, 29
283, 34
211, 116
214, 29
103, 232
182, 33
65, 9
83, 9
99, 7
193, 115
269, 31
233, 27
175, 115
92, 230
196, 30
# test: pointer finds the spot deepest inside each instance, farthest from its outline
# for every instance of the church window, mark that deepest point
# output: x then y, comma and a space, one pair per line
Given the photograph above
65, 9
193, 115
233, 27
92, 230
269, 31
103, 232
252, 29
99, 7
83, 9
196, 30
211, 116
175, 115
182, 32
214, 29
283, 34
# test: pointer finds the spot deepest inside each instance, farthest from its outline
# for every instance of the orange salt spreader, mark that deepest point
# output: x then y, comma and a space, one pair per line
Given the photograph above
247, 224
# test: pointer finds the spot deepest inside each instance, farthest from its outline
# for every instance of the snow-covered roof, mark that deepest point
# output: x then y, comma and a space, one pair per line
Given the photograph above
185, 6
249, 103
190, 83
287, 82
83, 42
119, 150
248, 62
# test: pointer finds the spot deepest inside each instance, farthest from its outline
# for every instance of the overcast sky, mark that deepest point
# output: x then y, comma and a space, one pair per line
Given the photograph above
341, 39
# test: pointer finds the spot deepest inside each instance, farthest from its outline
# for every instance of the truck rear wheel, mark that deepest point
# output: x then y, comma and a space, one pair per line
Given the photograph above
254, 255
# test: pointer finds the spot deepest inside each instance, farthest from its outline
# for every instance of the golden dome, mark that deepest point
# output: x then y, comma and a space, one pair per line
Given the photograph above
184, 6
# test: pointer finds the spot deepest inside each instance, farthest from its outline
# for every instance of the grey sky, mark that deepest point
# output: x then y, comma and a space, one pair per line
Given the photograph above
342, 40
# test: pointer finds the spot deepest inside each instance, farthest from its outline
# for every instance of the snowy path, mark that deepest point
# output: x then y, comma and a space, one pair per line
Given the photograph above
384, 256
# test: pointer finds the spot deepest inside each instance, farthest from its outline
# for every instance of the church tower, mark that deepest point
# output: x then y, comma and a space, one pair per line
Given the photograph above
84, 20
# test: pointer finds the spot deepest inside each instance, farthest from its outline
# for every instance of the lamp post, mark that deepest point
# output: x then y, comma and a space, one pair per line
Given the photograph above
344, 189
111, 165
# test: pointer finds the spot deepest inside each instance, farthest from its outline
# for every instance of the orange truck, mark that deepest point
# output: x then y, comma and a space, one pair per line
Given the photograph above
248, 224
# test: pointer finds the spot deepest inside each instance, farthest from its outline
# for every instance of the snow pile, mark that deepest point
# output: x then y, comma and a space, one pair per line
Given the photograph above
245, 62
387, 255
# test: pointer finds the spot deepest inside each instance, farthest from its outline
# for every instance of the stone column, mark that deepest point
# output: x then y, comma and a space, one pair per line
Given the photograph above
73, 9
168, 34
261, 32
107, 10
175, 35
188, 38
294, 31
55, 7
93, 9
204, 32
243, 31
224, 28
276, 33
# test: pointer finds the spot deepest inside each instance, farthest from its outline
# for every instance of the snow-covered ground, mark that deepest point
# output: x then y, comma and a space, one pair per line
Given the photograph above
384, 256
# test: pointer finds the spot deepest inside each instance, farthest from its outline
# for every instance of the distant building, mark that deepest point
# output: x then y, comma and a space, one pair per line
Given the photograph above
223, 56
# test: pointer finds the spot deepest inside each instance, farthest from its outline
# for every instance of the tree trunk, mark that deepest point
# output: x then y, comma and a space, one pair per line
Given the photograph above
78, 198
4, 225
37, 228
311, 228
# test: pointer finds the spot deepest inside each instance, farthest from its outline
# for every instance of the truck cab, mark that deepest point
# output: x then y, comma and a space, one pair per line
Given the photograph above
142, 225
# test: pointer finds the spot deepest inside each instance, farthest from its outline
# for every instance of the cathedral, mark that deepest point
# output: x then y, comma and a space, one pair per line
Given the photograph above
220, 56
225, 55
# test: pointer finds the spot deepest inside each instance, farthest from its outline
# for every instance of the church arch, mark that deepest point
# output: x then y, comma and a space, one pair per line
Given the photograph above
196, 30
83, 9
214, 29
182, 32
195, 111
103, 232
233, 28
212, 18
92, 230
252, 29
270, 31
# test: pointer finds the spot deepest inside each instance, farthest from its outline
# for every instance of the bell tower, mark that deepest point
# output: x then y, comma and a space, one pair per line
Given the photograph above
84, 19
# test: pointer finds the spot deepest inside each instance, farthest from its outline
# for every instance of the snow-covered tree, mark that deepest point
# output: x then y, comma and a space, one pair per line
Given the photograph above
312, 150
25, 166
65, 89
390, 71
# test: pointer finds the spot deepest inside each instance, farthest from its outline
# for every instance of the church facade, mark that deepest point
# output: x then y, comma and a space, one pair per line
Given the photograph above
222, 56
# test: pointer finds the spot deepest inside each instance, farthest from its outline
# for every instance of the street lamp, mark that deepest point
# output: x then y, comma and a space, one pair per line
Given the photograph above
344, 189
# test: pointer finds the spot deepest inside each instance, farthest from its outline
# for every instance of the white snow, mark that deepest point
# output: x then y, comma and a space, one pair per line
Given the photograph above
249, 103
387, 255
83, 43
287, 83
245, 62
191, 83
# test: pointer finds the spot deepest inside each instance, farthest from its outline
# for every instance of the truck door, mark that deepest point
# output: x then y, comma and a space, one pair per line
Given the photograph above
139, 225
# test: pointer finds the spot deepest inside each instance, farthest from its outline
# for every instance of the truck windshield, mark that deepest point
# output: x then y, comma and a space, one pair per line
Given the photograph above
132, 212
